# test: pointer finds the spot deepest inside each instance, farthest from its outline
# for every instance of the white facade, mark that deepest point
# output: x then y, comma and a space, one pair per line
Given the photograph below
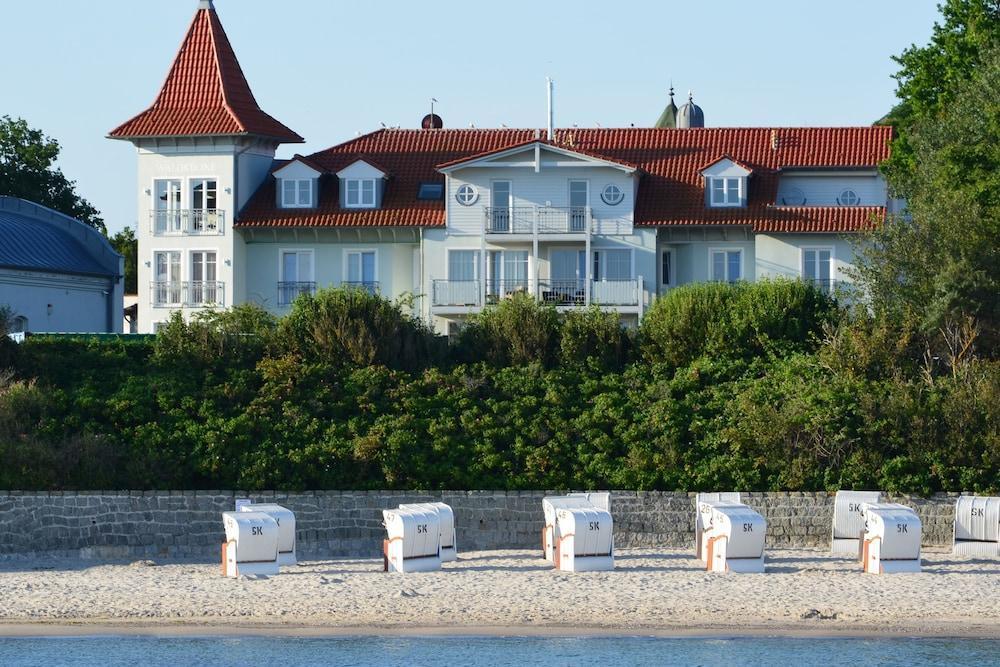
190, 257
536, 219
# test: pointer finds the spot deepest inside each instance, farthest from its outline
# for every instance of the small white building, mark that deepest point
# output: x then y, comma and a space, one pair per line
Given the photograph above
57, 274
464, 218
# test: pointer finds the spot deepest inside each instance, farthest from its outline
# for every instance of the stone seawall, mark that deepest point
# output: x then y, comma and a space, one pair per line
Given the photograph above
186, 524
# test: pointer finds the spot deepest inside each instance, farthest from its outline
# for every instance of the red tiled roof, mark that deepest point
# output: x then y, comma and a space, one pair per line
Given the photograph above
671, 191
410, 157
205, 93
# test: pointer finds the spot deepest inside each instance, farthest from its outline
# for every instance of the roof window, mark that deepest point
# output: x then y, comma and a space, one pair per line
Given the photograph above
431, 191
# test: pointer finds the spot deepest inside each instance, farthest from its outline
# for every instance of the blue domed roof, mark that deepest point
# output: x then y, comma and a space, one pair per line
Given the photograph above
33, 237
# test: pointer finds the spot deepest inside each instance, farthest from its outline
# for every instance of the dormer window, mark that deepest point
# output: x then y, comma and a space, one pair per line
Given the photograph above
360, 193
296, 193
726, 191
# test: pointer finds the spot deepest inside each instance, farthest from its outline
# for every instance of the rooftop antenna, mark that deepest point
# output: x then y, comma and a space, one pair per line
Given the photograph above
549, 83
432, 106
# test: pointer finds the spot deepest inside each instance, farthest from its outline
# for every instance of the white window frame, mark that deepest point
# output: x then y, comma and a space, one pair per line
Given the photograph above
621, 194
361, 193
473, 192
297, 251
477, 262
854, 193
180, 278
300, 185
168, 231
817, 248
668, 280
728, 278
360, 251
189, 279
602, 264
725, 191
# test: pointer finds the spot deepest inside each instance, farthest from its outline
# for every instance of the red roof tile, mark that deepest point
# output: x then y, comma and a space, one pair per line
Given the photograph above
205, 93
671, 191
410, 157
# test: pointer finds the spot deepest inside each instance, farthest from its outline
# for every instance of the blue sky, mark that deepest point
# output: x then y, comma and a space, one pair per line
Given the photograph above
332, 69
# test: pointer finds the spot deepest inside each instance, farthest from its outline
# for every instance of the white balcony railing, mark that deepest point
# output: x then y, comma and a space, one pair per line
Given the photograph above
197, 222
456, 293
615, 292
466, 293
537, 220
186, 293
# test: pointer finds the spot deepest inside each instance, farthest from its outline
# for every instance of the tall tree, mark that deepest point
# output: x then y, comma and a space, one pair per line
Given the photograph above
125, 243
27, 159
937, 266
930, 76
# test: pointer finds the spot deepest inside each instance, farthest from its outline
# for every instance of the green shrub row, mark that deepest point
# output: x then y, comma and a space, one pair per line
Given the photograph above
753, 387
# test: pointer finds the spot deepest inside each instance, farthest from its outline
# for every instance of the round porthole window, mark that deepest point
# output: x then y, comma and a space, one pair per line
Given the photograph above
793, 197
612, 194
466, 195
848, 198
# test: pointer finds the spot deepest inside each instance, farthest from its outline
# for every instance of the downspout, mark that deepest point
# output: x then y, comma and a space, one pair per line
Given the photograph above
232, 219
423, 292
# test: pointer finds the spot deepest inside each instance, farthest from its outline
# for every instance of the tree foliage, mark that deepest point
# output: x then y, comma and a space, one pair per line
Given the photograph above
126, 245
28, 171
937, 266
930, 77
237, 399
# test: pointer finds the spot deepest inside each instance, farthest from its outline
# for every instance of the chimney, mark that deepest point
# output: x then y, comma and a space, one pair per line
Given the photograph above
552, 136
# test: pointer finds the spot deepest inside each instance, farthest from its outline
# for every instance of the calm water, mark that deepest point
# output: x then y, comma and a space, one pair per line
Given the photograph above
490, 651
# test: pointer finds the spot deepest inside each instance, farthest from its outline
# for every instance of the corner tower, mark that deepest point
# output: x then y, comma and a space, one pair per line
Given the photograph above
204, 148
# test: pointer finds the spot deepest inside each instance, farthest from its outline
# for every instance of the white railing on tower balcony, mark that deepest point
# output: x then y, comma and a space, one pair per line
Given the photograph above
187, 221
187, 293
537, 219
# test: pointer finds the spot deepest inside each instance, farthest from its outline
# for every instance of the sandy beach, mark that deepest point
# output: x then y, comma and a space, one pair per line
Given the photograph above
662, 592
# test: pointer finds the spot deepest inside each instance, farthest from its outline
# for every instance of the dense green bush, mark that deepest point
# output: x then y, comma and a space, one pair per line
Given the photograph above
357, 327
742, 319
526, 398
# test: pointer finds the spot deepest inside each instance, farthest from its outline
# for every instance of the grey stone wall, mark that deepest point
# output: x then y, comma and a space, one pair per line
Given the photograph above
187, 524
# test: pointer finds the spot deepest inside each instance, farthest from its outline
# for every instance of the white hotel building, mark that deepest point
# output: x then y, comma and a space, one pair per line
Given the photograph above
462, 218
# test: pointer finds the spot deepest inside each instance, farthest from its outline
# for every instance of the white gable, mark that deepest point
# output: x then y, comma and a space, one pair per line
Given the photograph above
296, 170
537, 155
360, 169
725, 168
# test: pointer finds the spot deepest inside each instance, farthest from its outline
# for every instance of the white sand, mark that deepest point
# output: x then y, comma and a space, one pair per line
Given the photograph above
650, 591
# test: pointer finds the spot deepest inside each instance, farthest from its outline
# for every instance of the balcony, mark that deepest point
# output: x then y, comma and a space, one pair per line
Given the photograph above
187, 294
370, 286
187, 222
459, 295
536, 220
289, 291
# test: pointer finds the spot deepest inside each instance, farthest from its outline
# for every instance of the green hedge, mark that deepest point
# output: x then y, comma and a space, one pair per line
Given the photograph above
351, 392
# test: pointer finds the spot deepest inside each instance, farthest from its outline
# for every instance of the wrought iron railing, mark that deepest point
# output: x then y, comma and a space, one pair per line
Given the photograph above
370, 286
186, 293
187, 221
288, 291
562, 292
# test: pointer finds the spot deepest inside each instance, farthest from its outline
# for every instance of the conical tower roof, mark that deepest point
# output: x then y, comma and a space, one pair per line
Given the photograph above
668, 119
205, 93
